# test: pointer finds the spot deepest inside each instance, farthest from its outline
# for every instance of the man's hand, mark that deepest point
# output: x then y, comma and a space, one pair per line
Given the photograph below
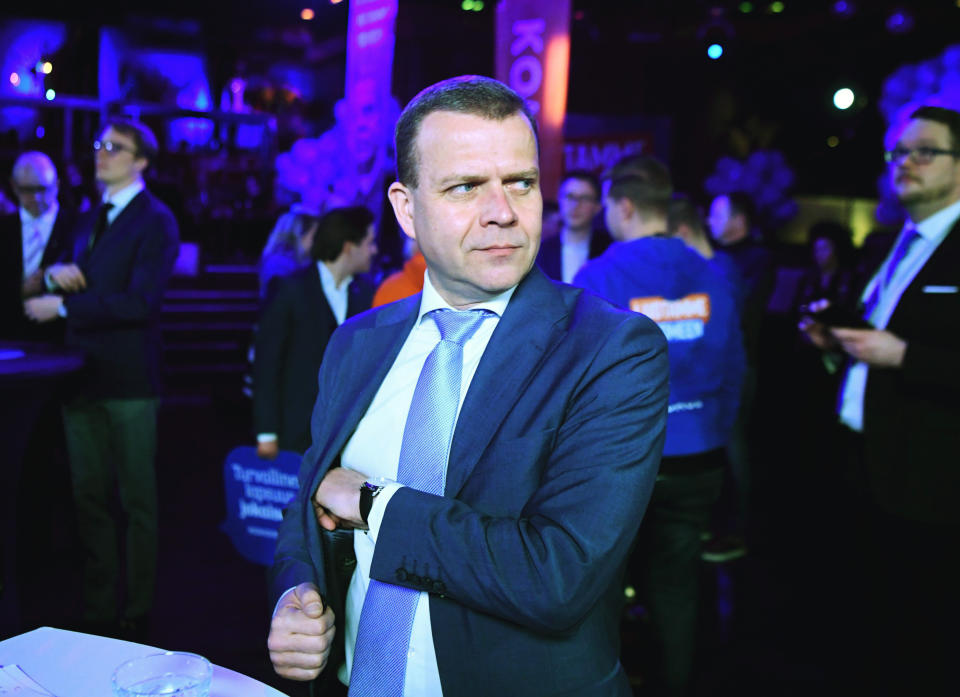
268, 449
67, 277
877, 347
337, 499
43, 308
301, 634
818, 333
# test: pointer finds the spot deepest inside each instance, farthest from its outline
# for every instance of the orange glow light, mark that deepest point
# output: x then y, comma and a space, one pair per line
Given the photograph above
306, 14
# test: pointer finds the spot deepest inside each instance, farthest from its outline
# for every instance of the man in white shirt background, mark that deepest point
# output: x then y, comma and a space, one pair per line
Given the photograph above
297, 320
580, 238
899, 406
32, 240
109, 297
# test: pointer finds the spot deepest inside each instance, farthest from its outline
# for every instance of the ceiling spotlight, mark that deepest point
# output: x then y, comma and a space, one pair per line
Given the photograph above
306, 14
843, 98
900, 21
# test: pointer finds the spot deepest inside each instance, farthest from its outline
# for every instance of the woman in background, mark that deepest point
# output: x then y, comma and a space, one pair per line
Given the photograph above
288, 247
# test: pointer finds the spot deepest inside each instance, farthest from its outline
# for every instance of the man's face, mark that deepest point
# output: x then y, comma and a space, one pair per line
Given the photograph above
36, 186
476, 211
720, 219
938, 181
118, 165
578, 204
360, 255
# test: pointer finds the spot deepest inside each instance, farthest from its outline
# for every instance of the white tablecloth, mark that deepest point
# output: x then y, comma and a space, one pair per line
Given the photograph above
71, 664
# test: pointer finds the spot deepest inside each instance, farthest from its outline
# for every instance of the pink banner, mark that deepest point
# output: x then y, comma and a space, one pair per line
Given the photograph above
533, 57
370, 44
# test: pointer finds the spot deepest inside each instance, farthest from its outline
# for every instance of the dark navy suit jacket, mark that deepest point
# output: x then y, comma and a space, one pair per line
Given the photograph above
911, 415
116, 320
294, 328
13, 323
551, 467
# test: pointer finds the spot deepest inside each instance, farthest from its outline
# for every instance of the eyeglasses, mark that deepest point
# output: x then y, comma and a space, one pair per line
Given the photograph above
33, 190
110, 147
575, 199
922, 155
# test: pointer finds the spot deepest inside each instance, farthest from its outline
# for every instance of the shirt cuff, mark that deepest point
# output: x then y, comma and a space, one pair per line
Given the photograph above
48, 282
378, 509
266, 437
62, 310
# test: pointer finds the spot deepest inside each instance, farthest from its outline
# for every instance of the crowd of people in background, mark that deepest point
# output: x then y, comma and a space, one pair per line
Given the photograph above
875, 331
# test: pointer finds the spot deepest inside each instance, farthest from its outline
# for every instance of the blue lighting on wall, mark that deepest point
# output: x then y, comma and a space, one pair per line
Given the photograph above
24, 45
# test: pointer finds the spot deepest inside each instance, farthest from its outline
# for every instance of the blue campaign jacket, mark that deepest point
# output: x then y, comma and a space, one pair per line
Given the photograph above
697, 311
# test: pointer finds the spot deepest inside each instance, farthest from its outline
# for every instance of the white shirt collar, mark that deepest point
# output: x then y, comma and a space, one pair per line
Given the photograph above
940, 223
26, 218
328, 281
431, 300
121, 198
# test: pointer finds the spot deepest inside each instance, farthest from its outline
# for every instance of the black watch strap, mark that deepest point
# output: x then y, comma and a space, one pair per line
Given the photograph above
367, 491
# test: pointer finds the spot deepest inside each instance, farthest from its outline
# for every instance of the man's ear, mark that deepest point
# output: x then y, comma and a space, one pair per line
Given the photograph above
401, 199
626, 207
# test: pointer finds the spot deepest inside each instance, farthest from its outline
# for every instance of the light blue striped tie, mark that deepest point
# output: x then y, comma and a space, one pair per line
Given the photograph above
383, 634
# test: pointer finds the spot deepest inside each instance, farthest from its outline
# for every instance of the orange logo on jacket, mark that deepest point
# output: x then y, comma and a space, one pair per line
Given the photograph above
682, 319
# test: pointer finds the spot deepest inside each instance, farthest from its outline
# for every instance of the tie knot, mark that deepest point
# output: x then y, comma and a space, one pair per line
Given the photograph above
456, 326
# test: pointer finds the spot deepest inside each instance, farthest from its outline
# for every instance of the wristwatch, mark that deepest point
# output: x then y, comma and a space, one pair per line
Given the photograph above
368, 490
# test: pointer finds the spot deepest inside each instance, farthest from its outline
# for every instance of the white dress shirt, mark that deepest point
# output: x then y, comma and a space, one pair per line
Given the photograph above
36, 233
120, 199
932, 231
574, 252
337, 297
374, 449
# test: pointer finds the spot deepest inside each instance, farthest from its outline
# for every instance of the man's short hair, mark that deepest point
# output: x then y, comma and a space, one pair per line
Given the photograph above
467, 94
642, 180
583, 175
741, 203
645, 167
948, 117
336, 228
140, 133
683, 211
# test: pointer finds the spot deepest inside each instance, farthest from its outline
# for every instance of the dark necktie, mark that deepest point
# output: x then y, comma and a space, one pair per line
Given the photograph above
103, 222
386, 621
908, 237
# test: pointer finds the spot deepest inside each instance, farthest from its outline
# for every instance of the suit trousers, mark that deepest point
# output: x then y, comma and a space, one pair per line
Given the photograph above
907, 605
112, 443
668, 556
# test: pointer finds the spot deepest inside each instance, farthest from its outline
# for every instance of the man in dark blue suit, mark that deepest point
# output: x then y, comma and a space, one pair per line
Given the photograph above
563, 254
297, 320
515, 560
110, 298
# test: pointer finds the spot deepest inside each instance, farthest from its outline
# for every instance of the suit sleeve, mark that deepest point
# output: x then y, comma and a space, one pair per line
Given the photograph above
268, 356
933, 369
141, 298
546, 568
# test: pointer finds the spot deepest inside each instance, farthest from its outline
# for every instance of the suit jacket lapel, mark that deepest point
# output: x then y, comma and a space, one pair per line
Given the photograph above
532, 323
323, 316
371, 352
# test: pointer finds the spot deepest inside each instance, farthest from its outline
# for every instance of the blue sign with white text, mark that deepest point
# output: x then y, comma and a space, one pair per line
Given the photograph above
257, 491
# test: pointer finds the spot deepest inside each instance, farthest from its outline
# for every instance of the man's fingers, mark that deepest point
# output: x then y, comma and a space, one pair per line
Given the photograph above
309, 600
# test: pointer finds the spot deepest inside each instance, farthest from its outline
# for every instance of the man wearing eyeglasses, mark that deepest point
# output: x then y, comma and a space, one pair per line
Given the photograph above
110, 297
31, 240
561, 256
900, 409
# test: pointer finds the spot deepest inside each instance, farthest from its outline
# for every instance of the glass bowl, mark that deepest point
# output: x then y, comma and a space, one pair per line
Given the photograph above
171, 673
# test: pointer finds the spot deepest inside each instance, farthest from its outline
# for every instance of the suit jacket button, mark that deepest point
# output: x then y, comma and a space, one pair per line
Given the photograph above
401, 574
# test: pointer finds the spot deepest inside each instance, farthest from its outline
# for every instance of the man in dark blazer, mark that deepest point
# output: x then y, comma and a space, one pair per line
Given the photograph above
562, 255
900, 409
297, 322
31, 240
110, 297
517, 561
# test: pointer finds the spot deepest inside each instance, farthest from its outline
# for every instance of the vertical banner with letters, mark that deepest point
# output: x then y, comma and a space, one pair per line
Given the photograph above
533, 57
370, 44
